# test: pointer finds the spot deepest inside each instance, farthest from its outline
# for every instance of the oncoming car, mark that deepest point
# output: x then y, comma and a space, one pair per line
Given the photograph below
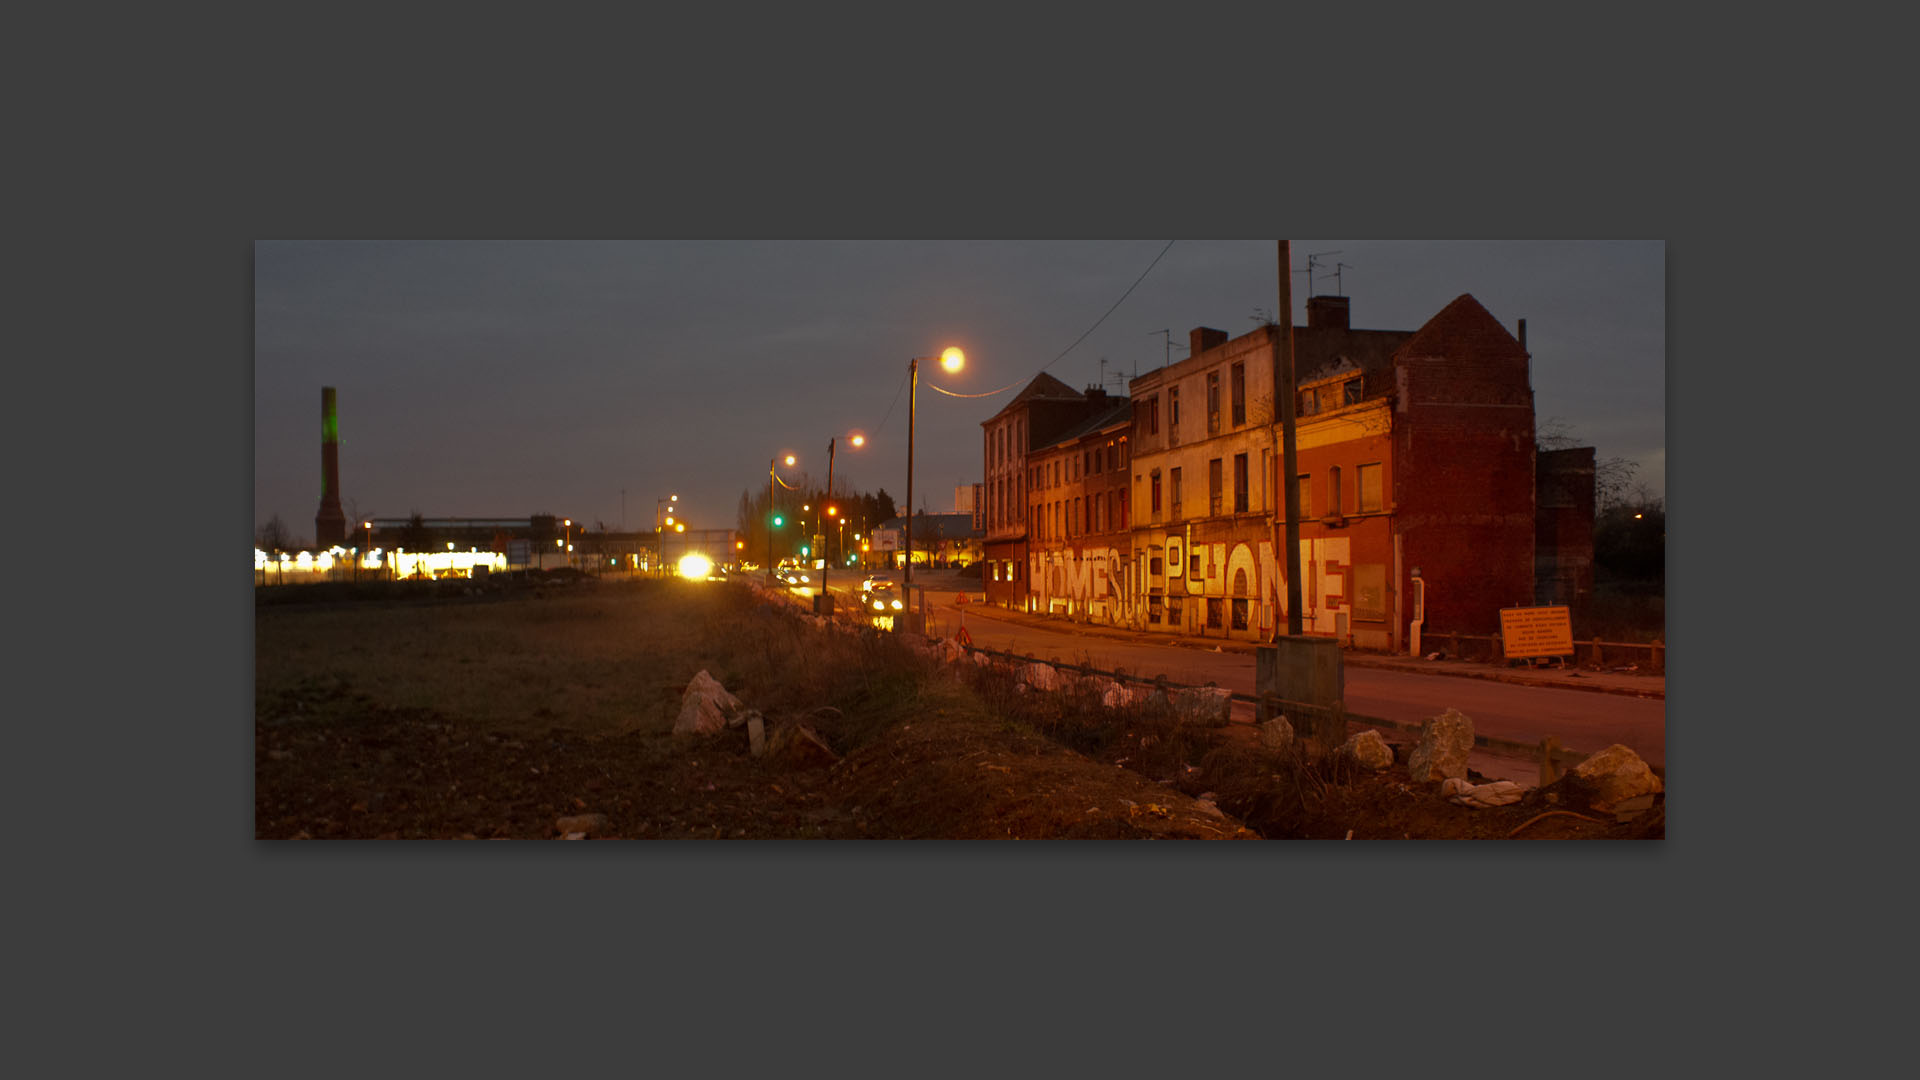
880, 598
793, 576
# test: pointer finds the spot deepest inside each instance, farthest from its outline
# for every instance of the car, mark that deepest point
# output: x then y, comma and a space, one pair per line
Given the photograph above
872, 580
880, 598
793, 576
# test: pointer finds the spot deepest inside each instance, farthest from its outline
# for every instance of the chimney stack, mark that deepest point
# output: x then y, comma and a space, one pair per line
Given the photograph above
330, 524
1523, 336
1202, 338
1329, 312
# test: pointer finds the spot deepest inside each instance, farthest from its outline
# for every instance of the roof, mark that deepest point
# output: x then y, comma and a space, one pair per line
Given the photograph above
1044, 387
1463, 328
1121, 412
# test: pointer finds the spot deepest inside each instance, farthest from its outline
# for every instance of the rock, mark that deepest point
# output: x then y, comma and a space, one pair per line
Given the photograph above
1276, 735
582, 824
739, 719
1615, 775
1208, 806
981, 659
1445, 742
1369, 749
1040, 676
704, 707
798, 746
1209, 705
757, 735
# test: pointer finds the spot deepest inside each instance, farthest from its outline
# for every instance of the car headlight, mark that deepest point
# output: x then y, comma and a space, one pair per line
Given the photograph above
896, 605
804, 577
878, 606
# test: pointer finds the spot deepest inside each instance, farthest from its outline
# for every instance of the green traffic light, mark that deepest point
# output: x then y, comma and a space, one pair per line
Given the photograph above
777, 522
804, 550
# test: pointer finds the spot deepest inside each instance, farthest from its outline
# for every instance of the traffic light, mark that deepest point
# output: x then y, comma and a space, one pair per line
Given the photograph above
805, 550
779, 521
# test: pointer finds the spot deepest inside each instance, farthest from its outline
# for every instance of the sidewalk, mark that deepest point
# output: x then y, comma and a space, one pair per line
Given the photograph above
1570, 678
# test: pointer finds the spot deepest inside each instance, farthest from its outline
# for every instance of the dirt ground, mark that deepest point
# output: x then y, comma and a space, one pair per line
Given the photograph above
539, 710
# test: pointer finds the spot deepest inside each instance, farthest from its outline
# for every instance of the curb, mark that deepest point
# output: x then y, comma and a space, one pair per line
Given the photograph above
1349, 658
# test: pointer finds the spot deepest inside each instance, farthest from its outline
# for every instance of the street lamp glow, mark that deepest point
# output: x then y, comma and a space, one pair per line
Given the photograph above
953, 359
789, 459
696, 566
858, 440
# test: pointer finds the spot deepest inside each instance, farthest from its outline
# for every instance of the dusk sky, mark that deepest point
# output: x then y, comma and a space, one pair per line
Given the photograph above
484, 379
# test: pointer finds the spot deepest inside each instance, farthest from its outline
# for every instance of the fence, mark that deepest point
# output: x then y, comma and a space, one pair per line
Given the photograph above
1597, 653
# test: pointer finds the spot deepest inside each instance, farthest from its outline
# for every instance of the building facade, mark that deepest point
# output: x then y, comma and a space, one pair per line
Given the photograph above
1414, 452
1036, 416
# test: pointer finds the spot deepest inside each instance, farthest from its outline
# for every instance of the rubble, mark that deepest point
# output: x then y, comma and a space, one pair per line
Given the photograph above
1445, 742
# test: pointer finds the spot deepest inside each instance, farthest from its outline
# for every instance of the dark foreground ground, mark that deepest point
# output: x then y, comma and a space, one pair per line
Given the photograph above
531, 711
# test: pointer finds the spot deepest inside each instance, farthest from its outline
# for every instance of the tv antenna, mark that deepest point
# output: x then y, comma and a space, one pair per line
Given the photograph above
1337, 267
1311, 264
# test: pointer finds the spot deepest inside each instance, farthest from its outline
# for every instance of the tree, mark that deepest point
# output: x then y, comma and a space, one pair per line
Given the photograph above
273, 536
415, 536
1630, 540
1611, 477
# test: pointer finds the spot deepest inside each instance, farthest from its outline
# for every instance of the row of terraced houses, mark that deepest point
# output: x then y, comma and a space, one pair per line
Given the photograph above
1415, 456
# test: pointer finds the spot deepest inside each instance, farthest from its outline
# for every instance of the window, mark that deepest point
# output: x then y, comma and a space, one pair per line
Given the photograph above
1150, 416
1123, 450
1214, 608
1156, 609
1175, 496
1309, 403
1350, 392
1333, 492
1112, 462
1372, 494
1213, 403
1173, 408
1126, 510
1193, 564
1370, 591
1213, 486
1239, 483
1266, 478
1306, 497
1154, 503
1239, 614
1238, 388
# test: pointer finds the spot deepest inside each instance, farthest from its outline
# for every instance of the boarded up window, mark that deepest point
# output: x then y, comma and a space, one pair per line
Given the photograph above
1371, 491
1370, 591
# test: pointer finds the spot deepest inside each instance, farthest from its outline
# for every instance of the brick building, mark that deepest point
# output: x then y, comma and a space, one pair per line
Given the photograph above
1079, 515
1415, 449
1036, 416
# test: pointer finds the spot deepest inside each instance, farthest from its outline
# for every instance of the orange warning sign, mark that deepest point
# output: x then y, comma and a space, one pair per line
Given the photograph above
1536, 631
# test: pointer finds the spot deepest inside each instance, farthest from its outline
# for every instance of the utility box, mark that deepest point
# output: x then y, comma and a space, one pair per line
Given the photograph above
1309, 675
823, 604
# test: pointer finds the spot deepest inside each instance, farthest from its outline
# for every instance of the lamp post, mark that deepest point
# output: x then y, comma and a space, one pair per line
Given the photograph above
953, 360
772, 519
661, 519
568, 526
367, 525
826, 564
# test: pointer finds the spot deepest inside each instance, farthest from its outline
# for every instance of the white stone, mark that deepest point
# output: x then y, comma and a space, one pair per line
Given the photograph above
1276, 734
1369, 749
1040, 676
1203, 704
705, 706
1445, 742
1617, 774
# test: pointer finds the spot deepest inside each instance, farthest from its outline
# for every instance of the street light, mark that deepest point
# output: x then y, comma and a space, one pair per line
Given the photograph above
367, 525
773, 520
953, 360
858, 440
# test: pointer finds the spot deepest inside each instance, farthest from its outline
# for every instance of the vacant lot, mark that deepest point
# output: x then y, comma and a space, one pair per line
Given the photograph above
523, 712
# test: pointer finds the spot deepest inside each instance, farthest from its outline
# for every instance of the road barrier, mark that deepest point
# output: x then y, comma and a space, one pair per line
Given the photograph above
1488, 649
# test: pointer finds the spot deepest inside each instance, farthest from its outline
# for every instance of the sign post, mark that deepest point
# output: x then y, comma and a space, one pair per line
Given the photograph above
1527, 632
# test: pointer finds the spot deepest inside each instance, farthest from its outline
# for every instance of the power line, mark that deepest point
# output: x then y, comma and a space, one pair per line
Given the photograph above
1078, 340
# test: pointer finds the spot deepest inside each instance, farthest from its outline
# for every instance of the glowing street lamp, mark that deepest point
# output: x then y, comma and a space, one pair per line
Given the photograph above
952, 360
771, 477
858, 440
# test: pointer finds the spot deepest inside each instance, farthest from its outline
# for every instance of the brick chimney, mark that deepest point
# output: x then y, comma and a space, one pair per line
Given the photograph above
1329, 312
1202, 338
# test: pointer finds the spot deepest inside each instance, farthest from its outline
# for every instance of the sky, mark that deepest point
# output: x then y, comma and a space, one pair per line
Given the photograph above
591, 379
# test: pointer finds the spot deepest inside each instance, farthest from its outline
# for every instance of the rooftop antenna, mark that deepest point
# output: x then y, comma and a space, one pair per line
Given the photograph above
1337, 267
1166, 334
1311, 264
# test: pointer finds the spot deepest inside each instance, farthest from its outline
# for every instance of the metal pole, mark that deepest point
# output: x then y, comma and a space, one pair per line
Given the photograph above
826, 563
770, 462
913, 390
1283, 396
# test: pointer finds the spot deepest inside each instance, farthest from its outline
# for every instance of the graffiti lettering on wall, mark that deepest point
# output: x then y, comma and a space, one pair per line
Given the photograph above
1105, 584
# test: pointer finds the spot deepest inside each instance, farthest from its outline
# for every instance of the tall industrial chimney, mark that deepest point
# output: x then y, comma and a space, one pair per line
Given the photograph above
330, 524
